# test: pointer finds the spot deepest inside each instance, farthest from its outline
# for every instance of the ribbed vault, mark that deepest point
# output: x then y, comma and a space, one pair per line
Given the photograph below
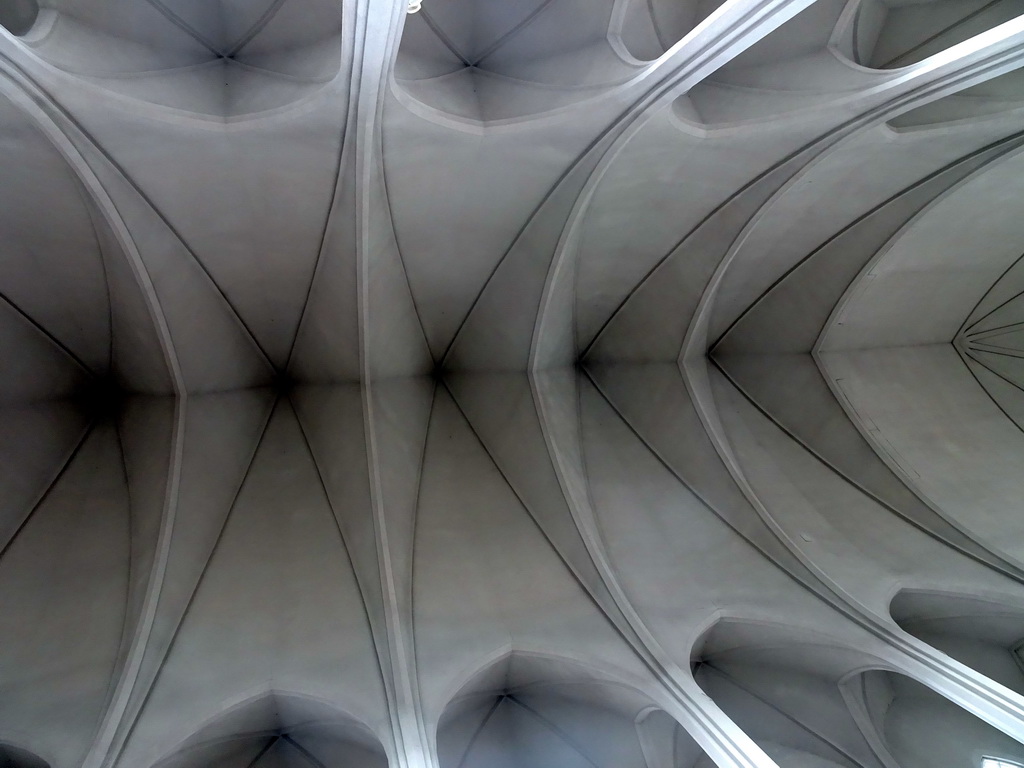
616, 384
279, 731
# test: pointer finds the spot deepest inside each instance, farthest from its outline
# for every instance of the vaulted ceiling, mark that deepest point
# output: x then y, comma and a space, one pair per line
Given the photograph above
597, 383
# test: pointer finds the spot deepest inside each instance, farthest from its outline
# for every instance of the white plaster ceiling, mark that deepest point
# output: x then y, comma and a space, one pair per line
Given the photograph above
611, 384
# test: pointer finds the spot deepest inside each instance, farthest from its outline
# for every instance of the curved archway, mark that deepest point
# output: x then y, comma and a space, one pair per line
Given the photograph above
18, 16
212, 59
666, 744
921, 728
482, 63
551, 713
1002, 96
782, 686
15, 757
891, 34
649, 28
985, 635
280, 729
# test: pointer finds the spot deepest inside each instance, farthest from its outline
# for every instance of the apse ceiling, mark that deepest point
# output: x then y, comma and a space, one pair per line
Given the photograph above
556, 382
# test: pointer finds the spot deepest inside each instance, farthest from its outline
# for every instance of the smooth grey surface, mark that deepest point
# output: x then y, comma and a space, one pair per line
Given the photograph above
612, 384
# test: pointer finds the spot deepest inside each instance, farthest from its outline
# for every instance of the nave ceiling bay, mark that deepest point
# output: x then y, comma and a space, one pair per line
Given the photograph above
480, 384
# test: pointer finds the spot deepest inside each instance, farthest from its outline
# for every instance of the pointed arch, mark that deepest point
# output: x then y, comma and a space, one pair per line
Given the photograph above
312, 731
541, 710
986, 633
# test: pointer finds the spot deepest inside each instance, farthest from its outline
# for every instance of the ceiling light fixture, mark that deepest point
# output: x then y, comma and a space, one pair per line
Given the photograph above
414, 6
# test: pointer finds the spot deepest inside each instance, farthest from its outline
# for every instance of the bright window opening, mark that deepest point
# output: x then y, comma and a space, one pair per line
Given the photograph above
995, 762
